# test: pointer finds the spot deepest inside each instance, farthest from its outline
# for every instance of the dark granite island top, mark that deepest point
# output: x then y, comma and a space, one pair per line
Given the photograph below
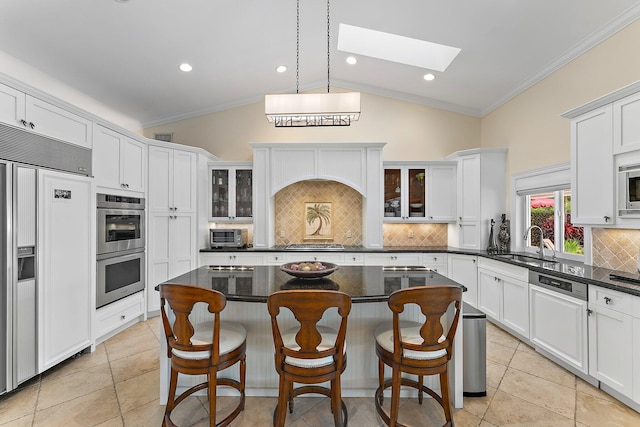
362, 283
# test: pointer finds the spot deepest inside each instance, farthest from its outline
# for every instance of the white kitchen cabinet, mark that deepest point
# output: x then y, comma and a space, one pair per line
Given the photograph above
503, 294
35, 115
66, 267
118, 315
436, 261
393, 259
236, 258
558, 326
353, 259
481, 181
275, 258
592, 168
332, 257
172, 180
405, 192
419, 191
636, 348
464, 270
441, 192
611, 338
171, 252
230, 192
626, 128
118, 161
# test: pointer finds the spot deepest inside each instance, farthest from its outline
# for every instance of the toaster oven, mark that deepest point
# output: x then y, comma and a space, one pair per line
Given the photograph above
228, 237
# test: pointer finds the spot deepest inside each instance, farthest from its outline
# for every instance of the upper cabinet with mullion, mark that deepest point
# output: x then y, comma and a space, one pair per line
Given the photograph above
230, 195
419, 191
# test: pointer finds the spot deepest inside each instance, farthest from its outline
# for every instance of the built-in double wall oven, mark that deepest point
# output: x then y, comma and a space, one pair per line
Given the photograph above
120, 247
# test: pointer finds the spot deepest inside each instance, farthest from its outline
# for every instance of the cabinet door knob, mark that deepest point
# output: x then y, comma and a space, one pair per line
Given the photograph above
123, 317
589, 312
606, 218
474, 261
354, 258
31, 125
607, 300
23, 122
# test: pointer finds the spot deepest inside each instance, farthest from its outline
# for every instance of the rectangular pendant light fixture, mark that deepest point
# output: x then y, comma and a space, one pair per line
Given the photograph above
312, 109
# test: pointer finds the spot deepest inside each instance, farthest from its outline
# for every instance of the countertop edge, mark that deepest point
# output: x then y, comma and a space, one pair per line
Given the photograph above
597, 276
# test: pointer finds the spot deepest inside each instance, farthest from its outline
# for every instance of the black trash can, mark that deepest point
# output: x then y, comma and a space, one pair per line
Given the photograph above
474, 358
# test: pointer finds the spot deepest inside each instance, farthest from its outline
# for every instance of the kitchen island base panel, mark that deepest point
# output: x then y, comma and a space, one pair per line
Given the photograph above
360, 378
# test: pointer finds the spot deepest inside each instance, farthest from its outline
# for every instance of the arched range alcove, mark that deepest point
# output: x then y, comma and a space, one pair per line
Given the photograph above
356, 165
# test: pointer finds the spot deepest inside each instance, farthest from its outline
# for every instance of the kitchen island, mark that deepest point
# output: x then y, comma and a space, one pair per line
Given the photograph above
248, 287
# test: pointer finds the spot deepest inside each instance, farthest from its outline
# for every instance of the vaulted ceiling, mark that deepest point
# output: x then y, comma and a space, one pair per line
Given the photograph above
126, 53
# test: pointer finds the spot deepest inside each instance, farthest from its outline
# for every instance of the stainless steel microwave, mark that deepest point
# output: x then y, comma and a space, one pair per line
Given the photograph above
228, 237
630, 185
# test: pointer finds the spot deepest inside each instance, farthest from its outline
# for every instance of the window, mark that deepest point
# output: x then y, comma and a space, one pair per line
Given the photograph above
551, 211
543, 198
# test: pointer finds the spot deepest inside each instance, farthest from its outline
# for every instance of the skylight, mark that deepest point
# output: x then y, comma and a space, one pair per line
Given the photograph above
395, 48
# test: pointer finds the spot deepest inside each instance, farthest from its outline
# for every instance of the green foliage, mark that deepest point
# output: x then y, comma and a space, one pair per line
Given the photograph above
573, 246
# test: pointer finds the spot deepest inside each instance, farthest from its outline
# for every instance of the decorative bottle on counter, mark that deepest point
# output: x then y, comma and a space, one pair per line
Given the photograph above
492, 248
504, 236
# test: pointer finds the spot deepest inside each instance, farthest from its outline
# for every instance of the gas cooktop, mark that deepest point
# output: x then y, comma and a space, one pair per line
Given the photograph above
315, 247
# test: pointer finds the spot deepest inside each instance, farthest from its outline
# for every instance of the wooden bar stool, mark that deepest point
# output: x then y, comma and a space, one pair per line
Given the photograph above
309, 353
201, 349
417, 348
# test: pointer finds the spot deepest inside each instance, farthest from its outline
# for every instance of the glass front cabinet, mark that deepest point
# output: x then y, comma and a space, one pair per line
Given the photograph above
419, 192
404, 192
230, 192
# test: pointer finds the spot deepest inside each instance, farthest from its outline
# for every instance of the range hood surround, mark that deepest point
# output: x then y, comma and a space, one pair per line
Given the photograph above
357, 165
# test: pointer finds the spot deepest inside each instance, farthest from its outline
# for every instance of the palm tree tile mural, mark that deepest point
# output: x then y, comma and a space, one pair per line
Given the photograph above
318, 221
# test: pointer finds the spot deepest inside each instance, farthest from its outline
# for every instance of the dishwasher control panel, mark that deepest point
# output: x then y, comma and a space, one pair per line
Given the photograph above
567, 287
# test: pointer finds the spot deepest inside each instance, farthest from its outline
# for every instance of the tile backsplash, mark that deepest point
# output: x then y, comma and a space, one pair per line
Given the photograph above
423, 234
290, 212
616, 249
346, 220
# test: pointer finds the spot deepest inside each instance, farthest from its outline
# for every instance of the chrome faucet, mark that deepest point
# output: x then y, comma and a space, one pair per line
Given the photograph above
541, 245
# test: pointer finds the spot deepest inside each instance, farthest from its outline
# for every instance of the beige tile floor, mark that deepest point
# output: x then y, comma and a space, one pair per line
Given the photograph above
118, 384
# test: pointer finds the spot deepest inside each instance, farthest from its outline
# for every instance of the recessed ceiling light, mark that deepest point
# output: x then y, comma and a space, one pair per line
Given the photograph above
351, 60
429, 76
186, 67
281, 68
395, 48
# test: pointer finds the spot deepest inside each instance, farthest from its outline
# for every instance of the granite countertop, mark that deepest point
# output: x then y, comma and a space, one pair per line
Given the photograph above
362, 283
570, 270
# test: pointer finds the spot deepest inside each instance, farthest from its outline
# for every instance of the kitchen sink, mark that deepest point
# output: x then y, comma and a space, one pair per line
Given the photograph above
525, 258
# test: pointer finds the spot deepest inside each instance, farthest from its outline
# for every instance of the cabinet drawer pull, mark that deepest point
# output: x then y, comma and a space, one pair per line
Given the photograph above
123, 317
606, 218
607, 300
31, 125
589, 312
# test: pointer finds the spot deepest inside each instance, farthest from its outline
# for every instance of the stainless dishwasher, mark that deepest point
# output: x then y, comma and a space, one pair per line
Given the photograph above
558, 320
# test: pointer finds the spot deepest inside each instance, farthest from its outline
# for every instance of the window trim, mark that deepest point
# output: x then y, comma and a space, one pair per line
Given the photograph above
542, 180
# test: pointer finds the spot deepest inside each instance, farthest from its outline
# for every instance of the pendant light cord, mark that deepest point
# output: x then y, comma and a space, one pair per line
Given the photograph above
298, 46
328, 49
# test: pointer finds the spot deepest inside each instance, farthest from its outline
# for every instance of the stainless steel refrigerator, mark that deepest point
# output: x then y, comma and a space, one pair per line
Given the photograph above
18, 349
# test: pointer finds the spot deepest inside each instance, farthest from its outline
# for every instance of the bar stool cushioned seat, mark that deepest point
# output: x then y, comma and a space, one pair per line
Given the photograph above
417, 348
203, 348
309, 354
